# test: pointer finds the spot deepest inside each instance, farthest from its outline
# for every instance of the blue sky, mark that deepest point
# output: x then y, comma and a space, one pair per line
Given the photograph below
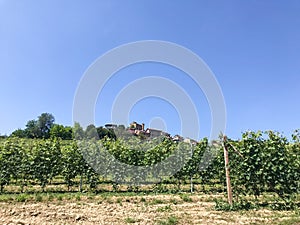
253, 48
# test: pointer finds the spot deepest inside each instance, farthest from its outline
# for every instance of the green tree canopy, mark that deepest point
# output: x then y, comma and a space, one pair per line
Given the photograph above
45, 122
39, 128
32, 129
91, 132
103, 132
19, 133
78, 132
61, 131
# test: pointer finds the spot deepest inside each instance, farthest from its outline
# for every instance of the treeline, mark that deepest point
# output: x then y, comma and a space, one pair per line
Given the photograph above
267, 162
44, 127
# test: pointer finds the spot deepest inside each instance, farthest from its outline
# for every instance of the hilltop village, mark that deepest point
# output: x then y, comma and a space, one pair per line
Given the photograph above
139, 130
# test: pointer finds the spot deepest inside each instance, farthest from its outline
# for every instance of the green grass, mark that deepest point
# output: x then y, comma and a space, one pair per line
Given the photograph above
38, 198
6, 198
78, 197
22, 198
171, 220
59, 197
131, 220
50, 197
174, 201
157, 202
41, 197
164, 208
119, 201
186, 198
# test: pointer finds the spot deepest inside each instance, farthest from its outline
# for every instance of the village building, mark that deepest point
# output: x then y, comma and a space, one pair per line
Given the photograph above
139, 129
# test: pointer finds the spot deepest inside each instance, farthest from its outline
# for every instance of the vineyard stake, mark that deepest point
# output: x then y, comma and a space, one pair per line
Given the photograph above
192, 186
227, 170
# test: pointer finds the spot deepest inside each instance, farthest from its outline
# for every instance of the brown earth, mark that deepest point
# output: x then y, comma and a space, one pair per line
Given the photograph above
161, 209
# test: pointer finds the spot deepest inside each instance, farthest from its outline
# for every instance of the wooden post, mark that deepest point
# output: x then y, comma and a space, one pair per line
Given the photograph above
227, 170
80, 184
192, 185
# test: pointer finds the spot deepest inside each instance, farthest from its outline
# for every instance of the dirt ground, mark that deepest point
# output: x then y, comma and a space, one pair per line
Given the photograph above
161, 209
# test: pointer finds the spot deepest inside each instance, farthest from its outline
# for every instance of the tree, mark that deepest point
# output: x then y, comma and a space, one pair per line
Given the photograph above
91, 132
19, 133
45, 122
121, 127
60, 131
40, 128
32, 130
78, 132
102, 132
3, 136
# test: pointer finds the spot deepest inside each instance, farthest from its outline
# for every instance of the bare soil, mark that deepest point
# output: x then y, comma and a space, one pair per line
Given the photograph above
160, 209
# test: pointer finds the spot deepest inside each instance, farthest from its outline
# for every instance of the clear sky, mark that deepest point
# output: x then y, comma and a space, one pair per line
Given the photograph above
253, 48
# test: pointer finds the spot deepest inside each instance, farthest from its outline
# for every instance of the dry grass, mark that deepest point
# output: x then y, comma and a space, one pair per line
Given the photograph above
160, 209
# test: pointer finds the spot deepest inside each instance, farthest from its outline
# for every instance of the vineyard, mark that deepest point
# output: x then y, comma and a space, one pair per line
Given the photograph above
260, 163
